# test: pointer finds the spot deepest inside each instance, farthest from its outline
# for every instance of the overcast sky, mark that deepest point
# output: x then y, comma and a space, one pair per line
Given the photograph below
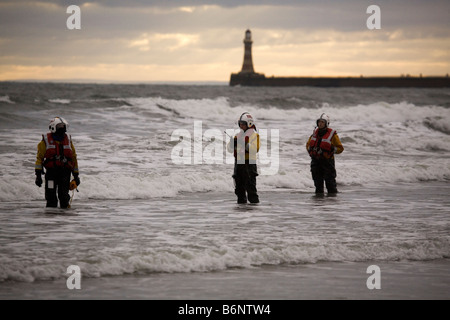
195, 40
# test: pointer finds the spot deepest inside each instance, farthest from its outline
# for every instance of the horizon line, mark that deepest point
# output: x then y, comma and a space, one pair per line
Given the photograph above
102, 81
209, 82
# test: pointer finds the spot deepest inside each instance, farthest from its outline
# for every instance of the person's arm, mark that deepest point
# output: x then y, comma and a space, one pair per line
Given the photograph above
257, 142
38, 166
252, 144
40, 156
336, 142
74, 158
307, 144
75, 171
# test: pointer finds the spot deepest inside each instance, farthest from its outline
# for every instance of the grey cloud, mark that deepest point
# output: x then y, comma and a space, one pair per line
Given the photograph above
30, 32
111, 21
180, 3
324, 4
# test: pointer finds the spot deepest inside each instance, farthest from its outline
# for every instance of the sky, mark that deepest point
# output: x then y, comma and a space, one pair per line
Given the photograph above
202, 40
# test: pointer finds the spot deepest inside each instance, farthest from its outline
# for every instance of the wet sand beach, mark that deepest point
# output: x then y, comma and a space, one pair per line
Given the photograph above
402, 280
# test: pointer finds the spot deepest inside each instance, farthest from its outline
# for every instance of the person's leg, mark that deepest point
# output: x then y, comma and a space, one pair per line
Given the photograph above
251, 183
63, 188
50, 188
317, 175
330, 176
240, 179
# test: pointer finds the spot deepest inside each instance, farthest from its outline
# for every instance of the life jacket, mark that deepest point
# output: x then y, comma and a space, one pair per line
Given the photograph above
248, 137
58, 154
321, 145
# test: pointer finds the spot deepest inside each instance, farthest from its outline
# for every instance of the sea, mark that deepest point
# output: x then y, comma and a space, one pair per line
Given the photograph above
156, 217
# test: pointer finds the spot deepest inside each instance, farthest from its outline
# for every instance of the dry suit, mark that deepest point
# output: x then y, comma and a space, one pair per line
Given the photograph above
57, 155
245, 146
321, 146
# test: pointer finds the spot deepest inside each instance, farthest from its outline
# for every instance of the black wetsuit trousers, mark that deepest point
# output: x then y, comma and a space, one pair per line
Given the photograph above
245, 182
323, 170
57, 182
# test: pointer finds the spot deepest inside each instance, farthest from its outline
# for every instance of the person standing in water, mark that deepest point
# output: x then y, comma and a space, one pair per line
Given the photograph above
322, 145
57, 155
245, 146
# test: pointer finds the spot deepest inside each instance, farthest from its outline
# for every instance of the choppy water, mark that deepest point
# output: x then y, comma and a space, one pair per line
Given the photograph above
140, 211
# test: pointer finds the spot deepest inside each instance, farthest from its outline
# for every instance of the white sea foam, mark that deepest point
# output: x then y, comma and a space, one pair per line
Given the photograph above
116, 262
126, 185
6, 99
61, 101
138, 212
384, 143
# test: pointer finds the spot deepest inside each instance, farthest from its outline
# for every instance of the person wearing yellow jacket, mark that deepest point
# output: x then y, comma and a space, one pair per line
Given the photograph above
322, 145
57, 155
245, 146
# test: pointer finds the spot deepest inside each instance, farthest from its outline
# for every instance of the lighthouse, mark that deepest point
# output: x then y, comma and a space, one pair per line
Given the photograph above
247, 74
248, 77
247, 66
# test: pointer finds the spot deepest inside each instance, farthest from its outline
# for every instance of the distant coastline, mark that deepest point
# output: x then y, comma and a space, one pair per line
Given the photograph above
258, 79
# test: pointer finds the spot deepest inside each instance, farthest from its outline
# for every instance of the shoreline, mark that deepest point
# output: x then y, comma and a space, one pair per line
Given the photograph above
399, 280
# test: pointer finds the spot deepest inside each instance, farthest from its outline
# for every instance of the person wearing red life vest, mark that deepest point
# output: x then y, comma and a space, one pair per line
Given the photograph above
322, 145
245, 146
57, 155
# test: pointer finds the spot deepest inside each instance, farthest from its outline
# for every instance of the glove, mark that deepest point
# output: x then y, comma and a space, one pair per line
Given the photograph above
38, 180
76, 178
